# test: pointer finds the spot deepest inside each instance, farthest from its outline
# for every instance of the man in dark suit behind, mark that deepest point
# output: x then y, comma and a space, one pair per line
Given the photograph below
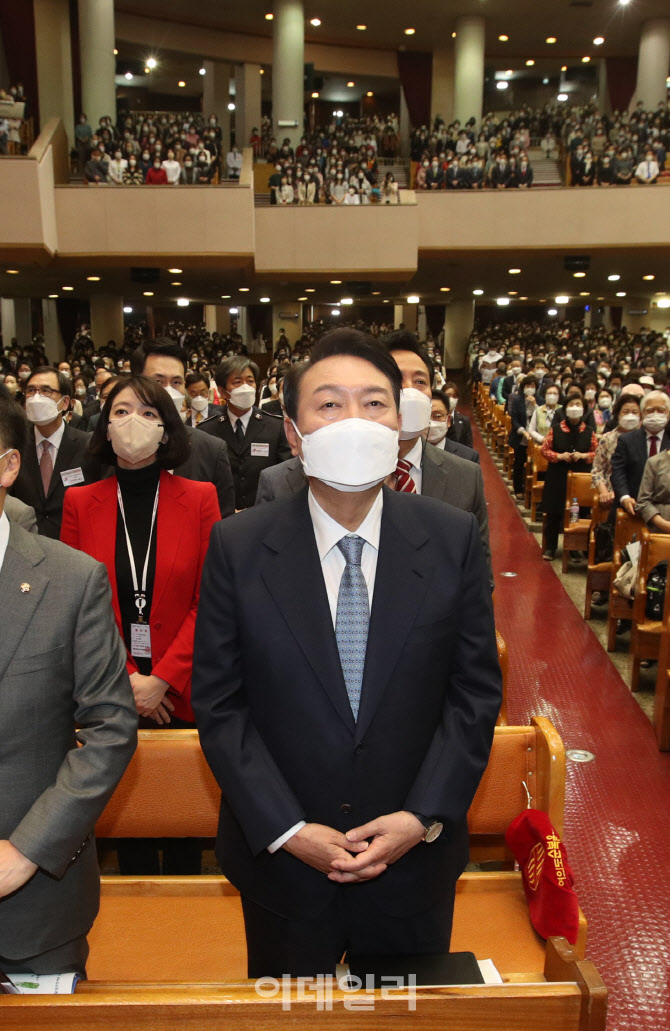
165, 361
255, 440
63, 683
634, 448
348, 767
55, 455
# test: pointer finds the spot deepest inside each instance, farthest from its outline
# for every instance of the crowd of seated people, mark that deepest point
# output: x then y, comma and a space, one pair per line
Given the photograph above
340, 175
353, 135
10, 123
161, 149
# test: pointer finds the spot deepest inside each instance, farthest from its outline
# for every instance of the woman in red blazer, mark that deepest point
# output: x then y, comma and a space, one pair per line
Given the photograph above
151, 530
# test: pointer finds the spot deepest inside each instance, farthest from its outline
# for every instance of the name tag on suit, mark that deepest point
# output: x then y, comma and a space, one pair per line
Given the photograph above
260, 450
140, 641
71, 477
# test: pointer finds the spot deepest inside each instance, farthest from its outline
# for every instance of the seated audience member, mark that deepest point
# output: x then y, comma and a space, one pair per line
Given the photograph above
570, 445
460, 428
389, 190
653, 500
52, 790
234, 162
197, 399
105, 391
500, 173
95, 170
133, 174
602, 412
625, 418
543, 415
156, 175
522, 408
172, 168
633, 449
523, 174
255, 439
351, 196
206, 170
56, 455
140, 513
606, 173
285, 195
435, 175
585, 172
647, 171
188, 175
439, 420
117, 167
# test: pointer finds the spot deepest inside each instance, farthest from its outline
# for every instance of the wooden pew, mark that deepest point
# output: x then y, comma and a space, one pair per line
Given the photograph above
503, 660
569, 996
626, 529
539, 465
662, 696
598, 574
645, 638
576, 535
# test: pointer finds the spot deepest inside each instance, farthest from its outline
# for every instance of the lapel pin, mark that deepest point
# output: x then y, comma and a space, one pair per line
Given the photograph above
25, 588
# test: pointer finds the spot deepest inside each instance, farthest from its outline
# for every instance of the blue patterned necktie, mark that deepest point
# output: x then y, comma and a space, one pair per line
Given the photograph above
353, 617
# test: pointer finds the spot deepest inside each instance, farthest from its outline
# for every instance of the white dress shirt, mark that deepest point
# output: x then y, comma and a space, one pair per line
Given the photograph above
4, 537
55, 440
244, 417
327, 533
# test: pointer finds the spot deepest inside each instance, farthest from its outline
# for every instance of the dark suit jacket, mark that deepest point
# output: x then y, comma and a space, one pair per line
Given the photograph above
629, 460
447, 477
209, 413
265, 431
460, 430
275, 721
209, 463
453, 447
72, 454
273, 408
62, 665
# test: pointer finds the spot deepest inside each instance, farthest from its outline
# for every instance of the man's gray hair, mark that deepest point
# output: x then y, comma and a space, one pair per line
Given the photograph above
654, 395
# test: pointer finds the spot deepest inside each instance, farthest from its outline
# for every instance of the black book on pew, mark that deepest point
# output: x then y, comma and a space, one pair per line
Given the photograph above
433, 968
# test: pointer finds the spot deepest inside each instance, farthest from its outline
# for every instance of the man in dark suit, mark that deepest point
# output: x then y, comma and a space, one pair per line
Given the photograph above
165, 361
348, 767
255, 440
63, 683
634, 448
198, 407
56, 455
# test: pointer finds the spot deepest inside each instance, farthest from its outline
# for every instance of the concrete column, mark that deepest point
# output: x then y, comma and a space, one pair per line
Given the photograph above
407, 314
247, 102
4, 67
459, 318
106, 320
210, 318
16, 320
216, 97
243, 325
288, 70
98, 64
403, 126
54, 62
603, 93
442, 88
291, 326
398, 316
653, 63
53, 338
421, 325
222, 320
469, 68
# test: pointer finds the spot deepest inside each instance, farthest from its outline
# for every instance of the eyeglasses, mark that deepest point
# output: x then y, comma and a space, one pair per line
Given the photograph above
43, 391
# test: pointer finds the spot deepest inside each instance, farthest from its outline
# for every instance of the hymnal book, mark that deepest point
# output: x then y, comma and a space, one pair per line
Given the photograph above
430, 969
43, 984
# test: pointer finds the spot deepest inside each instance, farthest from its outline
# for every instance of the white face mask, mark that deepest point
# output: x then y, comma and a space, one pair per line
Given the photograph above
437, 431
199, 404
134, 437
415, 409
350, 455
574, 412
41, 410
243, 397
177, 397
272, 387
589, 394
453, 401
629, 421
605, 403
529, 391
552, 400
655, 422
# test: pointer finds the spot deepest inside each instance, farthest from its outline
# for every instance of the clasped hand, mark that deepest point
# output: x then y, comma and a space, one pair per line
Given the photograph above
330, 851
15, 868
151, 697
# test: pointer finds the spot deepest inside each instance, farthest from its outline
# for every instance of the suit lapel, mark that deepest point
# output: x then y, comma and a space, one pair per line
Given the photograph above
403, 560
293, 575
20, 568
434, 477
64, 458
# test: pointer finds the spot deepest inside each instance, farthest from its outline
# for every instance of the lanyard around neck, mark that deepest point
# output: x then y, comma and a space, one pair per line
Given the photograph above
140, 593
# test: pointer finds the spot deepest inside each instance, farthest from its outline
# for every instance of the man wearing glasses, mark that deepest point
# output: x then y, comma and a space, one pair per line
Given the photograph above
56, 456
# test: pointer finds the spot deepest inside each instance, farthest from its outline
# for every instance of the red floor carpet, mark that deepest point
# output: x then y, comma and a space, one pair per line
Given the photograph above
618, 807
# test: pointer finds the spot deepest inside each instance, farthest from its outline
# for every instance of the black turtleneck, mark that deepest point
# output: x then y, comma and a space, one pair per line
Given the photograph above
138, 490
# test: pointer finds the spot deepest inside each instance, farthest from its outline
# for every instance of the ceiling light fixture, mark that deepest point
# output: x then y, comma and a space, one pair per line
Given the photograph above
93, 279
530, 62
410, 32
649, 277
502, 302
315, 95
175, 271
177, 282
309, 289
12, 272
128, 76
346, 300
564, 67
514, 271
265, 300
664, 302
585, 60
598, 41
413, 299
147, 70
203, 71
614, 278
234, 311
369, 93
148, 293
361, 28
584, 293
336, 282
562, 97
513, 293
550, 39
302, 298
578, 275
562, 299
552, 311
621, 293
231, 106
127, 310
315, 22
445, 289
183, 302
244, 289
225, 297
115, 52
181, 84
335, 311
53, 296
503, 38
478, 293
67, 288
351, 83
152, 62
502, 84
269, 17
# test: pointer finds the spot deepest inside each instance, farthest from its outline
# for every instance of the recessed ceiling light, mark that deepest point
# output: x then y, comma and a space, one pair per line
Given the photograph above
601, 298
93, 279
234, 311
614, 278
315, 95
262, 71
183, 302
369, 93
181, 84
127, 310
453, 35
147, 70
545, 82
598, 41
514, 271
335, 311
309, 289
552, 311
503, 301
585, 60
649, 277
386, 300
361, 28
128, 76
503, 38
148, 293
231, 106
315, 22
584, 293
12, 272
351, 83
53, 295
225, 297
376, 293
203, 71
445, 289
564, 67
177, 282
151, 62
115, 51
67, 288
346, 300
513, 293
562, 299
244, 289
530, 62
478, 293
578, 275
663, 303
413, 299
550, 39
524, 298
264, 300
502, 84
302, 298
269, 17
336, 282
410, 32
562, 97
175, 271
621, 293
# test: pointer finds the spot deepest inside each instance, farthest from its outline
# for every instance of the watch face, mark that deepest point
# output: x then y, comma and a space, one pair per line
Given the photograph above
433, 832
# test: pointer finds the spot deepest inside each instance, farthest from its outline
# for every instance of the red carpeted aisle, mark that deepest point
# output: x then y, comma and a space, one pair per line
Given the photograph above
618, 806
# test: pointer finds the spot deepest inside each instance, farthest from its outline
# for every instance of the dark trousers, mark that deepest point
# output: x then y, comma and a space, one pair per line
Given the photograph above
61, 960
307, 947
141, 857
519, 471
554, 526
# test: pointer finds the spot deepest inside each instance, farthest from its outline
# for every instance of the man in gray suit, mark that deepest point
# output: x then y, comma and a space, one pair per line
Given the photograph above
21, 514
63, 683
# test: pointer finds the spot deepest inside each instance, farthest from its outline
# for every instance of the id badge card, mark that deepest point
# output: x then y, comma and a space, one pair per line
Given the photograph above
140, 640
260, 450
71, 477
